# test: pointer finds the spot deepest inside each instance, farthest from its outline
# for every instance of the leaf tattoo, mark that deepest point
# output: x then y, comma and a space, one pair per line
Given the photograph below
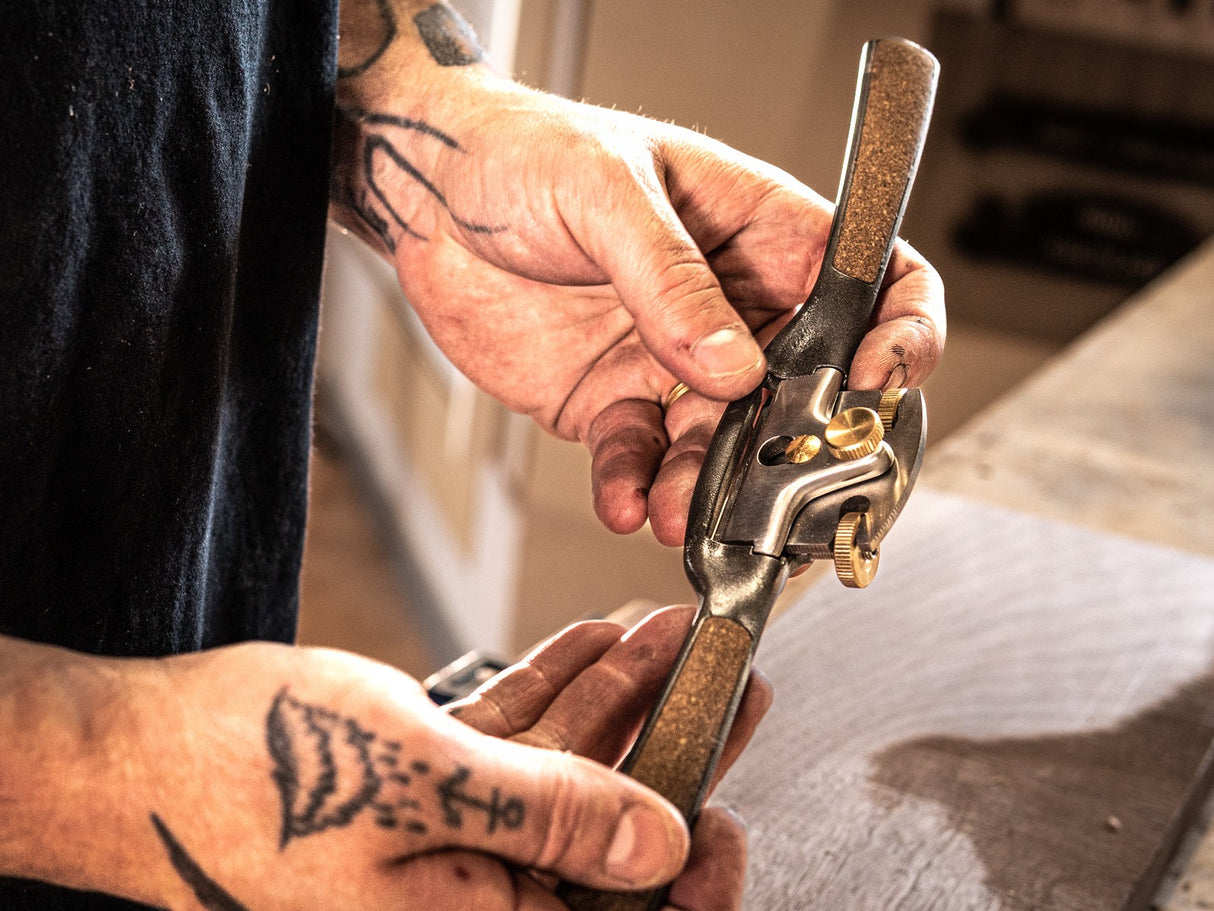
322, 766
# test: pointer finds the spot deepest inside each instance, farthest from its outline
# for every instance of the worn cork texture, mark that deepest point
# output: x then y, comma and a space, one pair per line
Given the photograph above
687, 732
894, 122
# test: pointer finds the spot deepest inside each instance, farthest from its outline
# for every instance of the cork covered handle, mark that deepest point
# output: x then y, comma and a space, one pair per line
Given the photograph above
678, 750
894, 97
889, 126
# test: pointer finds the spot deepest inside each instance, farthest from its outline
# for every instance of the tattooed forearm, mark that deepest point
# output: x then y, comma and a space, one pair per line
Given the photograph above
448, 37
210, 894
368, 30
382, 64
329, 769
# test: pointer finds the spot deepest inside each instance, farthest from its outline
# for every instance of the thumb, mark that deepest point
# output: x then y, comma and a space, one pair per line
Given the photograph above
666, 284
561, 813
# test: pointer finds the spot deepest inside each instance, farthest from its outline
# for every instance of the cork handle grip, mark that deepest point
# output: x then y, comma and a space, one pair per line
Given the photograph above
894, 97
678, 750
889, 126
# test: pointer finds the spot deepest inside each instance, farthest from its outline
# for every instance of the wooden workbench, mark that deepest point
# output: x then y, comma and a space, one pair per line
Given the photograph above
1019, 712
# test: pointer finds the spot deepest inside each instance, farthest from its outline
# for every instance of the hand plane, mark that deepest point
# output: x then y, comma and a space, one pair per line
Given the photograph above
803, 468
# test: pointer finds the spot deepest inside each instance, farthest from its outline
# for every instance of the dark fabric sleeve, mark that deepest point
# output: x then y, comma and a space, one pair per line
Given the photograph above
162, 208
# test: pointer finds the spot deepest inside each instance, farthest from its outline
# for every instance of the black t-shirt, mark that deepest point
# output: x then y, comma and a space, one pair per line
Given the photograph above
163, 187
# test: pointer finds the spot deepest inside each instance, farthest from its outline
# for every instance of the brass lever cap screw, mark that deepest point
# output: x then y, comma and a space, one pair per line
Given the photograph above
854, 433
803, 448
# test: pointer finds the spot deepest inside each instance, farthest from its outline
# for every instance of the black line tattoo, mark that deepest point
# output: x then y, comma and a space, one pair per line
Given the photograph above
363, 193
380, 144
374, 118
448, 37
508, 813
355, 199
386, 24
329, 769
210, 894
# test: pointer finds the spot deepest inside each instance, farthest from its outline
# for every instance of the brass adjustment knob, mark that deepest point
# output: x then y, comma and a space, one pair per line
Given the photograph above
887, 408
855, 563
854, 433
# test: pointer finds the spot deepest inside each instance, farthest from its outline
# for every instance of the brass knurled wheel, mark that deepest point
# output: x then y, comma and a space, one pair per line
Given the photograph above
855, 564
887, 409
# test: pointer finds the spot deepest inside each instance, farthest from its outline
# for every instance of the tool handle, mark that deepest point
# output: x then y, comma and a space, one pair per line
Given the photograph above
681, 743
894, 96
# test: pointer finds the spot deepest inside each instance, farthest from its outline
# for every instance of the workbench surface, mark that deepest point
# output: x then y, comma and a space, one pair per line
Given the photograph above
1019, 712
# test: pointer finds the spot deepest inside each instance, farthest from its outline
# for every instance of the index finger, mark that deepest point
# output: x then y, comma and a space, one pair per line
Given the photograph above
598, 714
907, 338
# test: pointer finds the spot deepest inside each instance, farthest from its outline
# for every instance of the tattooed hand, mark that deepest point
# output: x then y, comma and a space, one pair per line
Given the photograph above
587, 691
576, 262
260, 777
371, 802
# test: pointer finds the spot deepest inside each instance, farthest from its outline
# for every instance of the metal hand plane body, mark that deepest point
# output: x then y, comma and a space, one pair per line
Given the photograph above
822, 457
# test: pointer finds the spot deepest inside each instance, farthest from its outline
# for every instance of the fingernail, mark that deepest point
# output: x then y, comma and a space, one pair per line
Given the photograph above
640, 848
727, 352
897, 377
737, 817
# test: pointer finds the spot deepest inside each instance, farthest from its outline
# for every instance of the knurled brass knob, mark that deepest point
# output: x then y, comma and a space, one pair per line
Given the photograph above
855, 563
887, 408
854, 433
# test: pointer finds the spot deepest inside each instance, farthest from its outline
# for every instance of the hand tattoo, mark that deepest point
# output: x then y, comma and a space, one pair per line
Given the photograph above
209, 893
508, 813
359, 189
328, 769
322, 765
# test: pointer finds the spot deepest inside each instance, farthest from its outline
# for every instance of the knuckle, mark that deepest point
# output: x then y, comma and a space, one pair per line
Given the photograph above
633, 442
623, 424
922, 339
565, 814
687, 293
547, 735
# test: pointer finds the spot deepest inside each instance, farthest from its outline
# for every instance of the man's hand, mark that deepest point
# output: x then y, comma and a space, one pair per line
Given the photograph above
576, 262
261, 777
586, 691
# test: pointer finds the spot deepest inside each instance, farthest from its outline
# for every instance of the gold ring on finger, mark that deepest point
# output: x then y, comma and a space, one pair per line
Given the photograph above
679, 390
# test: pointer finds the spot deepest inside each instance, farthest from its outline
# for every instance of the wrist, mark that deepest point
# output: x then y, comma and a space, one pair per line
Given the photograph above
67, 776
410, 74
